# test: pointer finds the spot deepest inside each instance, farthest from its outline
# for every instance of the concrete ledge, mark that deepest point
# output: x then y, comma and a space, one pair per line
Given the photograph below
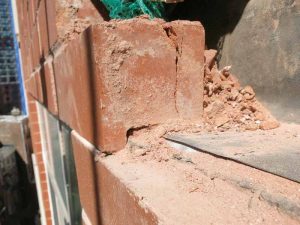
180, 193
14, 131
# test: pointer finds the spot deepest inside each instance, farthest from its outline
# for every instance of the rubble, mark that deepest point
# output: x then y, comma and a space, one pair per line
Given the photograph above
227, 105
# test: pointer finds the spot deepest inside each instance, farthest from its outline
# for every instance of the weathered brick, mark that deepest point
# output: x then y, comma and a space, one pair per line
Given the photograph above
73, 72
117, 203
85, 169
39, 86
135, 74
51, 21
30, 86
48, 80
143, 78
43, 29
190, 68
35, 47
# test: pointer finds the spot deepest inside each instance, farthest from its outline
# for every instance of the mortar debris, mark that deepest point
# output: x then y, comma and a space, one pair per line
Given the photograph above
227, 105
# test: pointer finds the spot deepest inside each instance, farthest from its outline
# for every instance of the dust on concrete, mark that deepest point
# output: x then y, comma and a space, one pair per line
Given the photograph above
257, 197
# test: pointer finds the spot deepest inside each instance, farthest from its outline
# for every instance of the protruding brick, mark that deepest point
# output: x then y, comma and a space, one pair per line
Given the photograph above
134, 75
144, 76
86, 175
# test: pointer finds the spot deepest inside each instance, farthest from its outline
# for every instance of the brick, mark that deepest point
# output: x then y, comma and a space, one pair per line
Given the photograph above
48, 80
44, 185
136, 78
85, 169
49, 221
40, 92
117, 203
73, 72
41, 166
31, 105
39, 157
34, 127
24, 39
30, 86
114, 86
37, 147
33, 117
51, 21
31, 16
190, 68
43, 176
43, 29
35, 47
48, 213
36, 137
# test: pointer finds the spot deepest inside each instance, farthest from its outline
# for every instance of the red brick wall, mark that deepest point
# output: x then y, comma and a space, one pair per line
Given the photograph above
37, 149
71, 75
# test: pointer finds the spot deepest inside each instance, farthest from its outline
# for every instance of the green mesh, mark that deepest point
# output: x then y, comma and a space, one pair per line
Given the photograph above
126, 9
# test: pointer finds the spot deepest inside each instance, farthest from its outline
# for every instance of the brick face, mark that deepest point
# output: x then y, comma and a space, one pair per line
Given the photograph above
86, 175
43, 29
131, 91
73, 72
48, 82
51, 22
143, 77
114, 196
190, 69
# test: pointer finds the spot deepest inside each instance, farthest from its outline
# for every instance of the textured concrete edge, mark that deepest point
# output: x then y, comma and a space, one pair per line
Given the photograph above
283, 203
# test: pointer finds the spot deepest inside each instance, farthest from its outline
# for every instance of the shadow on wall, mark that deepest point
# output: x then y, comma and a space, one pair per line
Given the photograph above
101, 9
219, 17
263, 46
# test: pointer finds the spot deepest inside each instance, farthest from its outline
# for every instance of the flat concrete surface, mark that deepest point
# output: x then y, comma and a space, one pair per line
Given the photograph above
192, 188
276, 151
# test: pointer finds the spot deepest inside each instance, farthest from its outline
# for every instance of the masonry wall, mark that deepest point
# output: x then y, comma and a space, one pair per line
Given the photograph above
103, 80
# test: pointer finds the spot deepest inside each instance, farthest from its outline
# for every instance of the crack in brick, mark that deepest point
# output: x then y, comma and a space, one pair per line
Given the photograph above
171, 34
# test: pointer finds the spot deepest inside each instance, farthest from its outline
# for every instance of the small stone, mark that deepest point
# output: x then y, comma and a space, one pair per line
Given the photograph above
215, 107
221, 120
247, 112
226, 71
252, 126
269, 124
259, 116
249, 96
239, 98
210, 56
248, 92
234, 94
15, 111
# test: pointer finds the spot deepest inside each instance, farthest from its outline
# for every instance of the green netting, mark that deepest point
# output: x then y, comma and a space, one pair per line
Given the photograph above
126, 9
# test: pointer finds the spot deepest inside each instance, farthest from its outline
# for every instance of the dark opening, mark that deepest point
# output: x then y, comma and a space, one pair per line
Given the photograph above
219, 17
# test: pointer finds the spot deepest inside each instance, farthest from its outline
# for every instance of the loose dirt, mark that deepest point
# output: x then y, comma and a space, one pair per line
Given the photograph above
227, 105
